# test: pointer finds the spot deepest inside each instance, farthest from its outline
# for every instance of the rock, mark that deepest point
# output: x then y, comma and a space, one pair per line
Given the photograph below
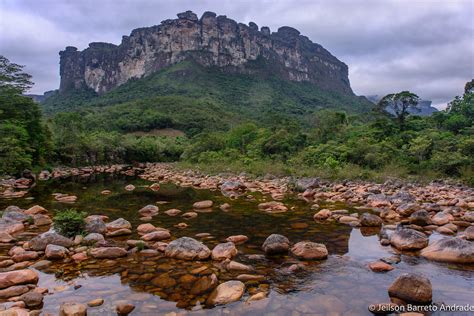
348, 220
164, 281
237, 266
420, 218
444, 230
96, 302
468, 216
227, 292
189, 215
72, 309
56, 252
42, 220
308, 250
25, 256
204, 284
186, 248
250, 277
105, 192
224, 251
233, 186
155, 187
225, 207
42, 264
49, 238
32, 299
94, 239
144, 229
408, 239
157, 235
79, 257
469, 233
149, 210
272, 207
411, 288
322, 215
6, 237
118, 224
407, 209
442, 218
124, 308
13, 291
181, 225
10, 215
36, 210
108, 252
237, 239
130, 187
172, 212
380, 266
276, 244
203, 204
370, 220
18, 277
449, 249
95, 225
257, 297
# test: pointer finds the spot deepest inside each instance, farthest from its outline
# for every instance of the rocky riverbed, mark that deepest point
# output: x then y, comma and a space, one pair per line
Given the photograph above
167, 241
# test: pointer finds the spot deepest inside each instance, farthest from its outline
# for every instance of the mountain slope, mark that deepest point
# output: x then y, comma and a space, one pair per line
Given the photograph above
191, 97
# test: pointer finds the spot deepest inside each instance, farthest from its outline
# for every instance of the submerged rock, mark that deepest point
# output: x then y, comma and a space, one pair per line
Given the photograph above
322, 215
204, 284
276, 244
273, 207
411, 288
187, 248
72, 309
449, 249
408, 239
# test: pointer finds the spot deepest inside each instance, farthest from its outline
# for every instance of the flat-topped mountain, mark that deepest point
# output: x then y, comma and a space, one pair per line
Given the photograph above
210, 41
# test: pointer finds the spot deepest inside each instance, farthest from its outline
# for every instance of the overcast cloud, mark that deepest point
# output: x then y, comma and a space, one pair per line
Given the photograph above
423, 46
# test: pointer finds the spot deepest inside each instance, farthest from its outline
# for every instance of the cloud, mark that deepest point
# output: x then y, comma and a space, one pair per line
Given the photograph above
424, 46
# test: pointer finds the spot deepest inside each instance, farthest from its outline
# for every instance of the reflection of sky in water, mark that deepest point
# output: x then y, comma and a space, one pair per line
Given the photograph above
365, 247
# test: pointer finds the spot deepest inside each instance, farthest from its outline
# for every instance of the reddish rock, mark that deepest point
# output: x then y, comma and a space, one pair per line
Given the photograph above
379, 266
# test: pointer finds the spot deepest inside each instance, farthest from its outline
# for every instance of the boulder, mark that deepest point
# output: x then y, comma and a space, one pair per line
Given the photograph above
94, 238
96, 225
406, 209
56, 252
14, 216
72, 309
157, 235
224, 251
322, 215
227, 292
411, 288
469, 233
442, 218
237, 239
450, 249
32, 299
408, 239
6, 237
308, 250
204, 284
380, 266
119, 224
49, 238
124, 308
108, 252
276, 244
187, 248
203, 204
25, 256
149, 210
42, 220
172, 212
144, 229
468, 216
420, 218
13, 291
36, 210
18, 277
370, 220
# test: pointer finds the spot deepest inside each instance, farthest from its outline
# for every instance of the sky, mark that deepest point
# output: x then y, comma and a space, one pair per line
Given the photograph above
426, 46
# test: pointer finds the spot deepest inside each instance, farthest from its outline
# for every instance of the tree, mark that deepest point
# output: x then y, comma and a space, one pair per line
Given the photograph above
12, 77
400, 103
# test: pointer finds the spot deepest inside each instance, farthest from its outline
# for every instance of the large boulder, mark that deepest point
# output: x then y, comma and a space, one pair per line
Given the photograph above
72, 309
187, 248
18, 277
158, 235
309, 250
95, 225
411, 288
118, 224
408, 239
108, 252
406, 209
442, 218
450, 249
49, 238
224, 251
227, 292
370, 220
276, 244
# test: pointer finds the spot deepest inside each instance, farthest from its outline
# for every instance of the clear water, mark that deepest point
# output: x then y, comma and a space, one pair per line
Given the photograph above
340, 285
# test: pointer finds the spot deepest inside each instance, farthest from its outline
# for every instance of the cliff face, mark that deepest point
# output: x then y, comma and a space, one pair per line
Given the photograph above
210, 41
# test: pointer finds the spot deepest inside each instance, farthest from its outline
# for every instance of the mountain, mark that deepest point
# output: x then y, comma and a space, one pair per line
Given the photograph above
210, 41
423, 108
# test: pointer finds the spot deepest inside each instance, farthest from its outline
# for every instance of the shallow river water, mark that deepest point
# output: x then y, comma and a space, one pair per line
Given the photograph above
340, 285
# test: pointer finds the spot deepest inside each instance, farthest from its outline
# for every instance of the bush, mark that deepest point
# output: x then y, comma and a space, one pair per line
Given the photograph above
70, 222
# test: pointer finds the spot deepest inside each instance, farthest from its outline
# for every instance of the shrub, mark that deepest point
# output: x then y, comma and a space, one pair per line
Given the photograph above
70, 222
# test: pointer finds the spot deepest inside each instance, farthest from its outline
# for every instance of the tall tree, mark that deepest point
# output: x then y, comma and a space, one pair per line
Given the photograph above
400, 103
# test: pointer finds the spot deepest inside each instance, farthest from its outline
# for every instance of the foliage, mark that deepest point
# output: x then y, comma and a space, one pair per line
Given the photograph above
400, 103
69, 222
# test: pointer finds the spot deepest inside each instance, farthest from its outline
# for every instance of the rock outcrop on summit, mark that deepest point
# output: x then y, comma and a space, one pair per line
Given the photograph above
210, 41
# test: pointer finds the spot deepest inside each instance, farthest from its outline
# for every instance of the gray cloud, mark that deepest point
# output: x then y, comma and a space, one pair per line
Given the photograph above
424, 46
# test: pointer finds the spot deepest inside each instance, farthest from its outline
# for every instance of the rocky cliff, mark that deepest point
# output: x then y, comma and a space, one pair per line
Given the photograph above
210, 41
